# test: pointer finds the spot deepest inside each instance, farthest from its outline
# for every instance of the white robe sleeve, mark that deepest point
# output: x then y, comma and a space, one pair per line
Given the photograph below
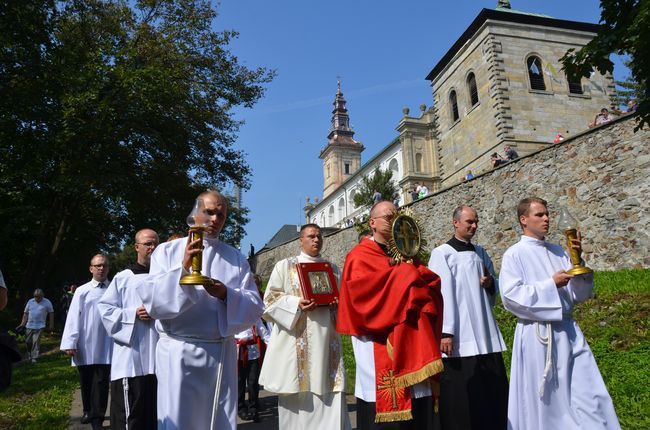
281, 308
581, 287
538, 301
438, 265
71, 330
243, 305
118, 321
487, 261
263, 332
170, 298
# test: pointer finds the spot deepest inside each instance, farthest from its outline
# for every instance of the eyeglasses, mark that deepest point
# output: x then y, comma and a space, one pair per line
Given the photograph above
148, 244
99, 265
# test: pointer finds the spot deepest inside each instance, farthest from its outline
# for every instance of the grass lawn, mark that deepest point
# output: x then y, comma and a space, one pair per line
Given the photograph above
615, 324
40, 394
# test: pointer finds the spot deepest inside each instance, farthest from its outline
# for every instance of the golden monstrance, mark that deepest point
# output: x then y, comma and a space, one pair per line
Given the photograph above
406, 242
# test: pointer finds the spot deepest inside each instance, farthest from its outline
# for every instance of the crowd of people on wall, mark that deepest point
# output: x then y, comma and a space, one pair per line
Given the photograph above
427, 347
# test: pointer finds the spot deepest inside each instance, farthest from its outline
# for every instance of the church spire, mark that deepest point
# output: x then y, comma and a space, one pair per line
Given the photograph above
342, 155
340, 117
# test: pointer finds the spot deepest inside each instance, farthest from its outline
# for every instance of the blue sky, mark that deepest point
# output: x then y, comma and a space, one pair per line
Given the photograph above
382, 50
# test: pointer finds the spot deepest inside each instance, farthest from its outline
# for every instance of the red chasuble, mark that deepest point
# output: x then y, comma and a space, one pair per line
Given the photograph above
400, 306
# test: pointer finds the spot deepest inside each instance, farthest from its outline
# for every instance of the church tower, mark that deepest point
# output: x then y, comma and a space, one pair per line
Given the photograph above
342, 155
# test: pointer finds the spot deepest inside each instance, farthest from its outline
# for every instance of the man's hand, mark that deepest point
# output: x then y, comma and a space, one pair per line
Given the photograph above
561, 278
446, 345
577, 243
192, 248
307, 305
70, 352
335, 302
216, 289
142, 314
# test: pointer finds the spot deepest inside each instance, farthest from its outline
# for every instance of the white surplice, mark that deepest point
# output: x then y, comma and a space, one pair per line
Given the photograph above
562, 390
304, 359
196, 334
83, 327
467, 306
134, 340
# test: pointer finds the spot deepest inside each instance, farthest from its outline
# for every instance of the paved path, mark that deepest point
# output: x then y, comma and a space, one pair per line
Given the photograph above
268, 414
76, 411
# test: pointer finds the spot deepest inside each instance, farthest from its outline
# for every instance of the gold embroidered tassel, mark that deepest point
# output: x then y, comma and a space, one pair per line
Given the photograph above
413, 378
389, 417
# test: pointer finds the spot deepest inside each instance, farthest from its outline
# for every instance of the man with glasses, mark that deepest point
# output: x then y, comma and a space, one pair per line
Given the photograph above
133, 378
393, 310
86, 341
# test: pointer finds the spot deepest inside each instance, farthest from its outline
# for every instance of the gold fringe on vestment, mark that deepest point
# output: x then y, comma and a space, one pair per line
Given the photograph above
389, 417
413, 378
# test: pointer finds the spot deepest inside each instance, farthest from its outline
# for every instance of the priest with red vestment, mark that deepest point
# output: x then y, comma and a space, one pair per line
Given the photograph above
394, 313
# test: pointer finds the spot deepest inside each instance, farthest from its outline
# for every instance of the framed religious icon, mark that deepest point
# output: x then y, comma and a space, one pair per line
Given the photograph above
317, 282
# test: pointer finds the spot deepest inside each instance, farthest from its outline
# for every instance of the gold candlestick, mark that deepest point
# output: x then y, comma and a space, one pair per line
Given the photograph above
197, 221
569, 225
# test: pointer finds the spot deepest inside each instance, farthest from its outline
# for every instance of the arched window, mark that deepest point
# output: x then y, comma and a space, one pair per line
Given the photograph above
453, 106
352, 194
341, 208
472, 90
394, 167
418, 162
330, 218
322, 219
535, 73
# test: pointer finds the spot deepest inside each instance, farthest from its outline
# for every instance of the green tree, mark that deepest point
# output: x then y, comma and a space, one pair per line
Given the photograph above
378, 180
627, 89
625, 31
114, 115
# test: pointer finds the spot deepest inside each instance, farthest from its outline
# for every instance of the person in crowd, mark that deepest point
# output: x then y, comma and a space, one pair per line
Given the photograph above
510, 153
496, 160
304, 361
38, 311
602, 118
376, 196
133, 378
554, 380
251, 345
9, 352
393, 310
474, 384
423, 191
196, 361
86, 341
414, 194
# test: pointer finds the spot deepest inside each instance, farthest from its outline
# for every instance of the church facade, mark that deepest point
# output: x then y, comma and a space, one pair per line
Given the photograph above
500, 84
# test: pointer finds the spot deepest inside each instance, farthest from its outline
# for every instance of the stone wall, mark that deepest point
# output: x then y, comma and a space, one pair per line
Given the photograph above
602, 174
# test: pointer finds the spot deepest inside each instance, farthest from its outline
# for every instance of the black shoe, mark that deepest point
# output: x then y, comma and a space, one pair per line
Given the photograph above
97, 424
242, 415
85, 419
256, 417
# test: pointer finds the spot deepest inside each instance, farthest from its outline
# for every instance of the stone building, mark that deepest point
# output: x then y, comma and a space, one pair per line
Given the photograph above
500, 83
